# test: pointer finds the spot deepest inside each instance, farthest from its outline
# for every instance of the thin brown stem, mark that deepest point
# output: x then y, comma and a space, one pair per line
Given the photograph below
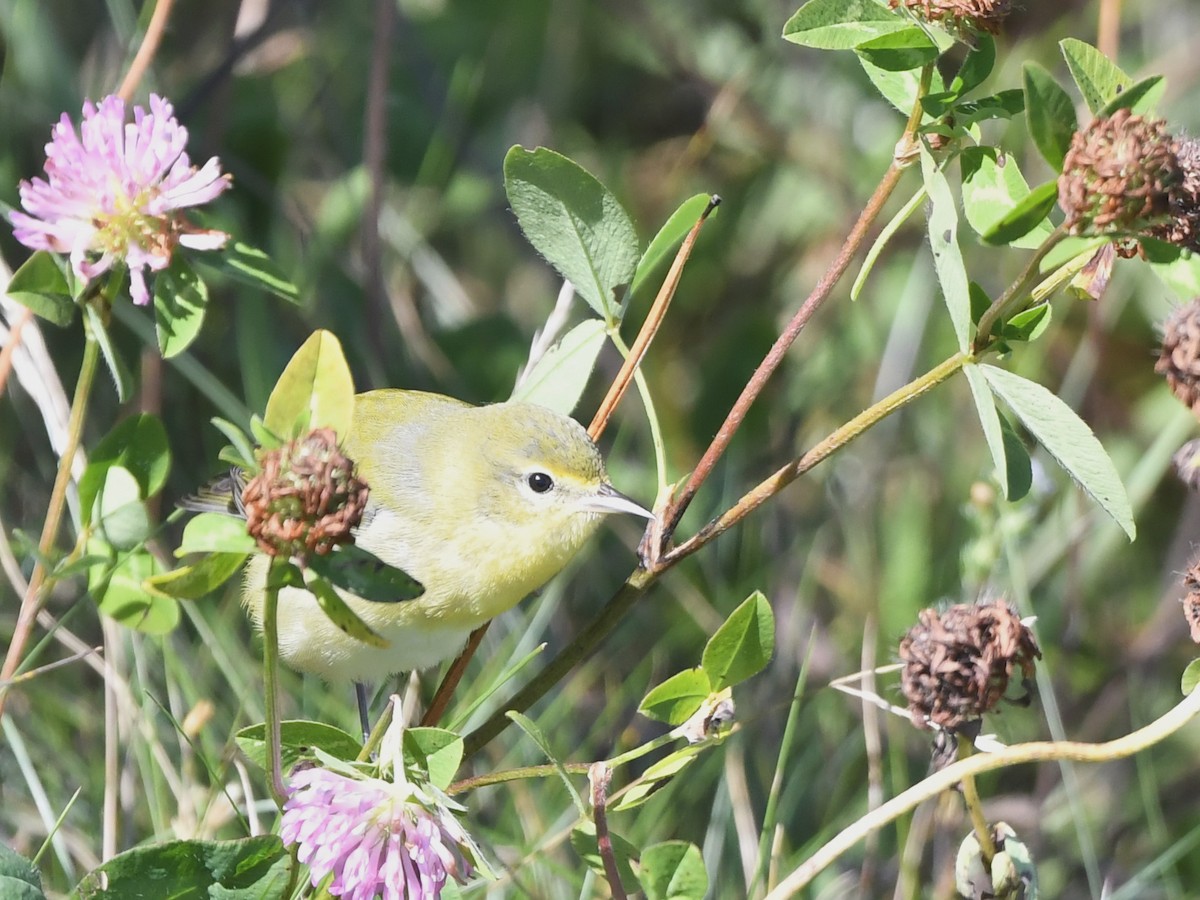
32, 602
149, 46
10, 347
599, 777
453, 676
784, 476
654, 320
675, 510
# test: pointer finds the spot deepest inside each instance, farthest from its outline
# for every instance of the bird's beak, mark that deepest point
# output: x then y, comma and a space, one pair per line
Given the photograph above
609, 500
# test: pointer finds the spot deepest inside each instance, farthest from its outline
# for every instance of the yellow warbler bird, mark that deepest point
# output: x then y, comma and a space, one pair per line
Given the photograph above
481, 504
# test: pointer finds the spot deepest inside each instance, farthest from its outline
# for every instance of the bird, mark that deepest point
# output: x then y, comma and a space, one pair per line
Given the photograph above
480, 504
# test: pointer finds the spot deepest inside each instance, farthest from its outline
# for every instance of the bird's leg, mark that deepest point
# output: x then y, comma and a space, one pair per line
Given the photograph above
362, 695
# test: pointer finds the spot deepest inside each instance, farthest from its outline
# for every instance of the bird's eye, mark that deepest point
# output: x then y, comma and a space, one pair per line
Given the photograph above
540, 482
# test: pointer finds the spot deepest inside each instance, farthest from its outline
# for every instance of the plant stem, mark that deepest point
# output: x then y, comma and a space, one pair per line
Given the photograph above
145, 53
983, 831
270, 622
521, 773
599, 777
34, 597
654, 319
771, 486
656, 438
454, 675
675, 510
376, 736
1037, 751
1016, 291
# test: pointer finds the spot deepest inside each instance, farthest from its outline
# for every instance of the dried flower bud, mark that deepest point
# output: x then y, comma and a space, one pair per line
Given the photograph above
1191, 603
957, 664
958, 15
1179, 359
305, 499
1119, 176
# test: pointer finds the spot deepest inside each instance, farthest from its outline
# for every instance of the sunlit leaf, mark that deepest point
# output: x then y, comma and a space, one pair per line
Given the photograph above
943, 241
1068, 439
315, 390
841, 24
119, 514
41, 285
1140, 98
199, 579
743, 645
1099, 79
673, 870
558, 379
216, 533
253, 868
677, 699
180, 300
669, 237
992, 186
1050, 113
1025, 216
899, 51
122, 597
1191, 677
576, 223
438, 751
298, 740
137, 444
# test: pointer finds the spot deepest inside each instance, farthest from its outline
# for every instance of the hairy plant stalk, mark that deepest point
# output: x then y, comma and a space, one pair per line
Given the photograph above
1016, 292
270, 622
34, 597
1037, 751
970, 792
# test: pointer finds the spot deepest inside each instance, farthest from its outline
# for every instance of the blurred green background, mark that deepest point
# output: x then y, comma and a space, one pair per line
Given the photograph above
660, 100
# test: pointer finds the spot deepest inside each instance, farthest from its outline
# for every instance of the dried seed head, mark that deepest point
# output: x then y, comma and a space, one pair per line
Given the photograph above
1191, 603
1187, 464
1183, 228
959, 15
305, 499
1119, 176
958, 663
1179, 359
